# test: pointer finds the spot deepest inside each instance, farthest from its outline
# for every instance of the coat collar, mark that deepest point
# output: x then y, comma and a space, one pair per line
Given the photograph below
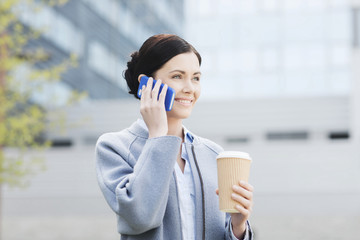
140, 129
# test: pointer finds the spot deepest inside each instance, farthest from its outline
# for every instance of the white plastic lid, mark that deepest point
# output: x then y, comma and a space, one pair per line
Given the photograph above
234, 154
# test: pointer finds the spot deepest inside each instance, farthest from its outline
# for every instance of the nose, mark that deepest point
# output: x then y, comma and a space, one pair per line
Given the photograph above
188, 86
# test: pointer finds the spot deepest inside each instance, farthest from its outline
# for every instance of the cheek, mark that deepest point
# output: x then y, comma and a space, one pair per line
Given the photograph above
198, 92
169, 84
173, 86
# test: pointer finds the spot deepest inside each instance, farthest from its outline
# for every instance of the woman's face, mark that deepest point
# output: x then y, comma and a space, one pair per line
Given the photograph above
182, 73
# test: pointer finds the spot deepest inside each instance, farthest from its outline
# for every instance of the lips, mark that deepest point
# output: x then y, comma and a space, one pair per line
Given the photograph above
184, 101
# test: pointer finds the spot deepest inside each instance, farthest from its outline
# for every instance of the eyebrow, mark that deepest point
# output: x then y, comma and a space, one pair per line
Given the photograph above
183, 72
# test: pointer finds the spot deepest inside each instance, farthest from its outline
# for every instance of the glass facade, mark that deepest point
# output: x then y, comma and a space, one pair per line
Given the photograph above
272, 48
102, 34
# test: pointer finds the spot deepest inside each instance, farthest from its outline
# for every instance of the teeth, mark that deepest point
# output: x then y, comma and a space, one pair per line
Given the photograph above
184, 101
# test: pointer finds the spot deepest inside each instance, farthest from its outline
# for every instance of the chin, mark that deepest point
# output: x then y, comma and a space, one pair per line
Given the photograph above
179, 114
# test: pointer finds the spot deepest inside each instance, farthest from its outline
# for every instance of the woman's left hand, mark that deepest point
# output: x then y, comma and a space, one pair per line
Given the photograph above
243, 196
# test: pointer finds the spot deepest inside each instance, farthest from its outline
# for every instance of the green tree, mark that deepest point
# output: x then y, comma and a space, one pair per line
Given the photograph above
21, 120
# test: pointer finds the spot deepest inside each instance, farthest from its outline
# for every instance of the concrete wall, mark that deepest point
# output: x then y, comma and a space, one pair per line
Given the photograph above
305, 188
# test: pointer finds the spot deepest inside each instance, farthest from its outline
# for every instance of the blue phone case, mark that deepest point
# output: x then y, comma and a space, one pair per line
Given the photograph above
170, 93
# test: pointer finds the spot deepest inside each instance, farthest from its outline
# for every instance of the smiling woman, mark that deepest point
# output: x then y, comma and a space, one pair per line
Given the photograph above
182, 73
157, 176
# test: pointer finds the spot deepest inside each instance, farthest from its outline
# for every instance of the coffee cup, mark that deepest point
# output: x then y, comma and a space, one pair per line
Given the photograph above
232, 167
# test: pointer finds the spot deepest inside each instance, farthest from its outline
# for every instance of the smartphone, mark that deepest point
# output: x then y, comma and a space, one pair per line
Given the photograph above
170, 93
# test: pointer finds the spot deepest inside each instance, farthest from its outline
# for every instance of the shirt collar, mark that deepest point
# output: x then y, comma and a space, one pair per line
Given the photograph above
189, 138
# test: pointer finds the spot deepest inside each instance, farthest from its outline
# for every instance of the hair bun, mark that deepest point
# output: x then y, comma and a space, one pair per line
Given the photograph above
132, 63
129, 73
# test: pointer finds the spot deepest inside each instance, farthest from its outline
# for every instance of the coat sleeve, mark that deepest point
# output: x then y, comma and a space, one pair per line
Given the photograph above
228, 230
137, 194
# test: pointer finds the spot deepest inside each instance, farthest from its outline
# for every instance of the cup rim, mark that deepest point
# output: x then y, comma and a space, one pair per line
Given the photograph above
234, 154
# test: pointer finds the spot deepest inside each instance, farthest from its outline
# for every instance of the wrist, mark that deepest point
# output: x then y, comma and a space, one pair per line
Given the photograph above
239, 230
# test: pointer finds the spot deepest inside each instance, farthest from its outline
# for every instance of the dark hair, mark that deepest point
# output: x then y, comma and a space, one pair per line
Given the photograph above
153, 54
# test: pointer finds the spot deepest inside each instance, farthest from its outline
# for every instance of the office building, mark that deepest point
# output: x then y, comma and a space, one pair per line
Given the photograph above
102, 34
275, 48
280, 80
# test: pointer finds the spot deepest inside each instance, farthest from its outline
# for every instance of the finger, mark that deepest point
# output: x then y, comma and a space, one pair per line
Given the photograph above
246, 185
245, 212
163, 93
247, 204
143, 96
242, 192
150, 82
149, 86
217, 191
146, 92
155, 91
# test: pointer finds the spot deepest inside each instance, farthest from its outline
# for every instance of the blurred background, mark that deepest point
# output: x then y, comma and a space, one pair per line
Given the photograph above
280, 80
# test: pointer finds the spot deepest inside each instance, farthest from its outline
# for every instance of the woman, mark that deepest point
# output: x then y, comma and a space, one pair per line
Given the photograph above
159, 178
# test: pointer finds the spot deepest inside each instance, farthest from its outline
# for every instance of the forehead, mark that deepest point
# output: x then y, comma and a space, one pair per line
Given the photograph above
187, 62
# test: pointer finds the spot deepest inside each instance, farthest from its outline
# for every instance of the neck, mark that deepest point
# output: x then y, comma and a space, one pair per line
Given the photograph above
175, 128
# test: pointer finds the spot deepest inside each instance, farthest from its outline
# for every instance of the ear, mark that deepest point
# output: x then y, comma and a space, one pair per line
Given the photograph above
141, 75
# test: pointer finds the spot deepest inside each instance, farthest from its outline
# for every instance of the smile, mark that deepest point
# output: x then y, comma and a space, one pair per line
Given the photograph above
184, 101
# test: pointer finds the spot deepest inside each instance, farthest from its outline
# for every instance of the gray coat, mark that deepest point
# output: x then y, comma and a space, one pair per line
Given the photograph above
136, 176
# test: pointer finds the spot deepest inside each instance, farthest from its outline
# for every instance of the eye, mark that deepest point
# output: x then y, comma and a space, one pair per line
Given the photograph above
196, 78
177, 76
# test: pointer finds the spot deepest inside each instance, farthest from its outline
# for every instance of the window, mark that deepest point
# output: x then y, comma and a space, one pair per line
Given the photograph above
339, 135
105, 63
295, 135
356, 27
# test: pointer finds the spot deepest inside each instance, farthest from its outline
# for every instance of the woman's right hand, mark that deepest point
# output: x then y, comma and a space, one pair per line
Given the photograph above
153, 110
